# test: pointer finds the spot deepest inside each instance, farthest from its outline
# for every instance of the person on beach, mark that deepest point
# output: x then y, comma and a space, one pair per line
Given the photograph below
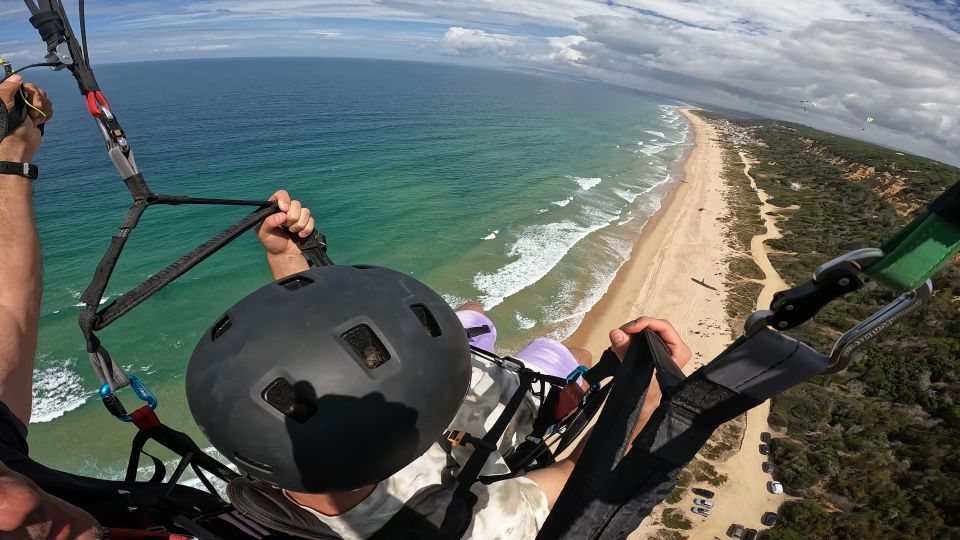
37, 502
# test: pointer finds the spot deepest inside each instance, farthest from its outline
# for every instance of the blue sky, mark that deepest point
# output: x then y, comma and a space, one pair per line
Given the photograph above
895, 60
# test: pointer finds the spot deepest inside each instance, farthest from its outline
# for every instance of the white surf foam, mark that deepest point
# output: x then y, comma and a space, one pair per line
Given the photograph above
525, 323
564, 202
585, 183
492, 235
537, 250
657, 134
57, 390
626, 194
453, 300
654, 149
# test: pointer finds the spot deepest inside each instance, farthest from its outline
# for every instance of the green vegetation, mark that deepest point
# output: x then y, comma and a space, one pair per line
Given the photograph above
705, 472
675, 495
873, 450
674, 519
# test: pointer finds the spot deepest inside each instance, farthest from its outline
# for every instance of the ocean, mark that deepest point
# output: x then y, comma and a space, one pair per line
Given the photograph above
522, 191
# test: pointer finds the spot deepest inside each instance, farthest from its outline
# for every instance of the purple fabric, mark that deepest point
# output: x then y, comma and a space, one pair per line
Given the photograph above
473, 319
548, 356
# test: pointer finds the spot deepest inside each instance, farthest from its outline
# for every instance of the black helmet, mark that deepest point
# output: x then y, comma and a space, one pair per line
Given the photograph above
331, 379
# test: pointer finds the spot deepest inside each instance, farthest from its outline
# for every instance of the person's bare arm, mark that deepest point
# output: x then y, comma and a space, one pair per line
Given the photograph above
283, 255
20, 282
552, 479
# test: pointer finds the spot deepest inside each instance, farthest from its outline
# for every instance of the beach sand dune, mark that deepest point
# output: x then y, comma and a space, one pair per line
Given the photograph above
682, 249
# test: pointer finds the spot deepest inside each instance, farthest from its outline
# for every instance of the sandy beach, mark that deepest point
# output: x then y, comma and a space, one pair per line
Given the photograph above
683, 242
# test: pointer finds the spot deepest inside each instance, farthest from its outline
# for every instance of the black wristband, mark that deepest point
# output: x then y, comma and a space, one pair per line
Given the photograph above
28, 170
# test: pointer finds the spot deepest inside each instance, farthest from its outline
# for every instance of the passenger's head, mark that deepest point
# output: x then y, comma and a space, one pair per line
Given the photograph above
331, 379
28, 513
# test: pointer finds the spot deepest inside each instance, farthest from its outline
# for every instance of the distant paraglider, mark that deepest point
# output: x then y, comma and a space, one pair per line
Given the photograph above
868, 122
807, 107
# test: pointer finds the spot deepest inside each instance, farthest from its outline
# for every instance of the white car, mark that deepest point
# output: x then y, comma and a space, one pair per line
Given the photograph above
703, 502
775, 487
705, 512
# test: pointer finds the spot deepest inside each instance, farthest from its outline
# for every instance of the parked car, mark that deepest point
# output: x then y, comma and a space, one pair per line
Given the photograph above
764, 449
735, 531
706, 493
765, 437
768, 467
750, 534
769, 519
705, 512
775, 487
703, 502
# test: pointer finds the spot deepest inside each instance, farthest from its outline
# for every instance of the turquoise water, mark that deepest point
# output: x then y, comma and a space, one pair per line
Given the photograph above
524, 192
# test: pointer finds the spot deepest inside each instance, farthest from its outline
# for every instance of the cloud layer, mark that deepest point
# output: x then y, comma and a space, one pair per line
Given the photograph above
897, 61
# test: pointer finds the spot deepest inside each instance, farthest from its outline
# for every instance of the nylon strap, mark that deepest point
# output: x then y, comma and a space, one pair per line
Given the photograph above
611, 489
923, 247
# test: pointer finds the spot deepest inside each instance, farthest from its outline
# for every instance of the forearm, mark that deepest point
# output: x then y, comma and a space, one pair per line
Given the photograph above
20, 248
285, 265
20, 285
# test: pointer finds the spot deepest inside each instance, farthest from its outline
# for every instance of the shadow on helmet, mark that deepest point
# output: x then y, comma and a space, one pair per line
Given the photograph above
331, 379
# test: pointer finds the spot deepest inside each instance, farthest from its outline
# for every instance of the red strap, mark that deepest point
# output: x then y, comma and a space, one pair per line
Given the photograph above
132, 534
570, 396
144, 418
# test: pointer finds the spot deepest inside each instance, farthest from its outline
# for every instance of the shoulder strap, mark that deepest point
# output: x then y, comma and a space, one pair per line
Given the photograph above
611, 490
423, 516
269, 507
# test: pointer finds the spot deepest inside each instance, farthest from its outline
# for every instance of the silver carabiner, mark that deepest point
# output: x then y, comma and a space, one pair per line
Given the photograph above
844, 349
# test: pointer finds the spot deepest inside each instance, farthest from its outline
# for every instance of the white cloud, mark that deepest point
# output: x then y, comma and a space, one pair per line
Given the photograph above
895, 60
193, 48
459, 41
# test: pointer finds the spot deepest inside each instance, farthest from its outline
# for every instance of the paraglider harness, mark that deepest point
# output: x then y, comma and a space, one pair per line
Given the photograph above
616, 481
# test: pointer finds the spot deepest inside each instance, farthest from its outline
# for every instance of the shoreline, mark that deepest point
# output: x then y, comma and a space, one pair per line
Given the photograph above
654, 266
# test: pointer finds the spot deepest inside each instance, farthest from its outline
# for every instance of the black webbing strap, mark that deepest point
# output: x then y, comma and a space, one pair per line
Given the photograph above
164, 277
463, 499
606, 496
53, 25
190, 456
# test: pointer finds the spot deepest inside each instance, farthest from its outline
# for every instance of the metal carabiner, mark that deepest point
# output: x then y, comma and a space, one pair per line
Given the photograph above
844, 349
831, 280
112, 403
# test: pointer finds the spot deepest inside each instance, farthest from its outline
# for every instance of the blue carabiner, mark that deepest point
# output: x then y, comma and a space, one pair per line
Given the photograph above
112, 403
579, 371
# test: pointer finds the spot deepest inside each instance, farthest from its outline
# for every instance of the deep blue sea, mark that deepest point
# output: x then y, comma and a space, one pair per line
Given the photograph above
522, 191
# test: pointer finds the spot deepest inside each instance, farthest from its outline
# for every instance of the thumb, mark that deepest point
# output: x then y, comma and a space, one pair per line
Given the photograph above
619, 341
8, 89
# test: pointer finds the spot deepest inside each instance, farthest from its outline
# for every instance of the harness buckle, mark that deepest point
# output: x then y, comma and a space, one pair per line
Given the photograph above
832, 280
459, 437
116, 408
844, 349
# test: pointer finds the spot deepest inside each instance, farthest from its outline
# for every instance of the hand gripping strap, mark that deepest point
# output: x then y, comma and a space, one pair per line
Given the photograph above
606, 497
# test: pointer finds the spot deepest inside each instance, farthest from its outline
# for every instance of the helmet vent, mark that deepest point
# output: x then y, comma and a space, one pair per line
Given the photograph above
282, 396
427, 319
221, 327
367, 345
364, 267
295, 282
253, 463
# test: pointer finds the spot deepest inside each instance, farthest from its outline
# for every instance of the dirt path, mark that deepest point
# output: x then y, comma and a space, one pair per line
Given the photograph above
744, 497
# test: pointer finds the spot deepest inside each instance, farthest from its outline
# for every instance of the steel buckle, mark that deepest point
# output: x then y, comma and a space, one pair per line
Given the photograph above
844, 269
848, 265
112, 403
846, 347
